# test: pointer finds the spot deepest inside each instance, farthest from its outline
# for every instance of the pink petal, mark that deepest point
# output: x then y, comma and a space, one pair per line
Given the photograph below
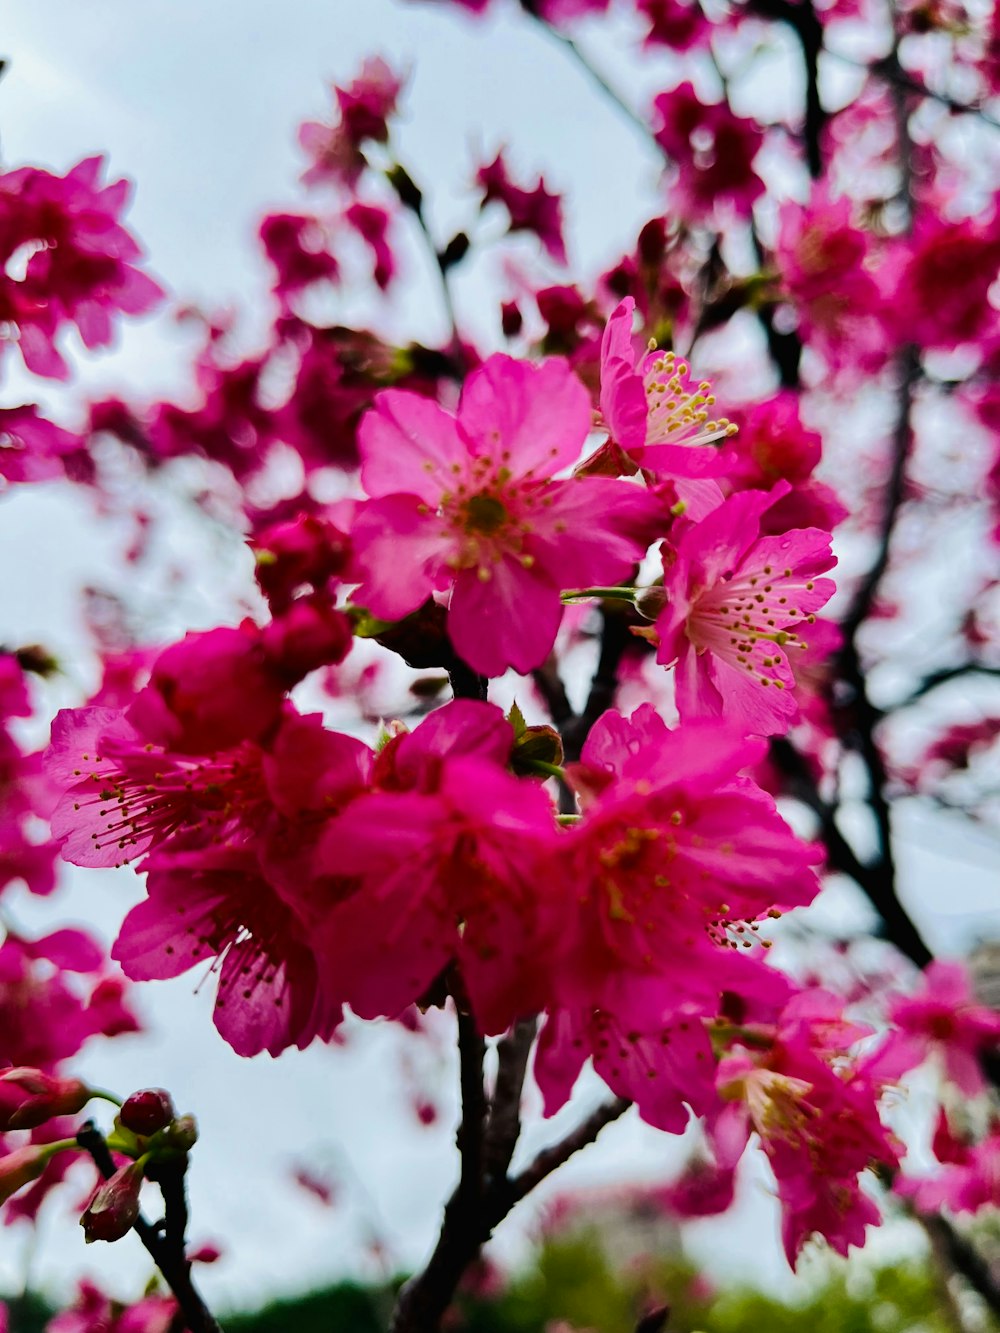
536, 416
410, 444
510, 621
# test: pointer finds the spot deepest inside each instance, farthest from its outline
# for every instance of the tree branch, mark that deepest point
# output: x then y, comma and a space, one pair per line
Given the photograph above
504, 1126
550, 1159
167, 1252
964, 1259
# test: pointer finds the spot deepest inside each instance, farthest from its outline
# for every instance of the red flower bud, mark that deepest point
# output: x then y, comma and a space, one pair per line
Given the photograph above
148, 1111
39, 1097
114, 1208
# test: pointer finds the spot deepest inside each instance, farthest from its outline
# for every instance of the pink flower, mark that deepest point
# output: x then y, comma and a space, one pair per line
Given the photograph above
93, 1312
665, 1070
713, 151
80, 268
213, 903
944, 1019
123, 795
817, 1119
534, 210
447, 846
736, 603
296, 244
46, 1013
36, 1097
363, 108
675, 861
968, 1182
372, 225
303, 552
210, 691
826, 267
32, 448
655, 411
677, 24
941, 299
468, 504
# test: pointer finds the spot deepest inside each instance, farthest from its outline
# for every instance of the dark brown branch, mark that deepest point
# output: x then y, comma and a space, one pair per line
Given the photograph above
944, 676
504, 1125
550, 686
469, 1222
166, 1251
615, 638
465, 683
550, 1159
472, 1053
896, 76
803, 21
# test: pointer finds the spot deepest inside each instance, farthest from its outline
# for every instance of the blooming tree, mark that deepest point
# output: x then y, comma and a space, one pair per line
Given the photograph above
585, 876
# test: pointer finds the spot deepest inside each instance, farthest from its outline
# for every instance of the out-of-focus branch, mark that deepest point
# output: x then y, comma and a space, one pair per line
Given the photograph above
964, 1259
804, 22
946, 674
411, 197
615, 638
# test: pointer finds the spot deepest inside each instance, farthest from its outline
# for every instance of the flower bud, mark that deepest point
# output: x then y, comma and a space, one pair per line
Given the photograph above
183, 1133
148, 1111
651, 601
536, 745
113, 1210
40, 1096
22, 1166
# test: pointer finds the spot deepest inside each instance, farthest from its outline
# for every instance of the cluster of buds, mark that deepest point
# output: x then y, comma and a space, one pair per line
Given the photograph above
148, 1132
156, 1140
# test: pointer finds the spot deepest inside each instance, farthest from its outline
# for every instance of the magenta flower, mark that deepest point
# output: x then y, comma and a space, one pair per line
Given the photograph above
664, 1071
214, 904
31, 447
654, 410
941, 297
534, 210
372, 225
968, 1181
296, 244
81, 270
363, 109
467, 503
737, 604
713, 151
816, 1115
826, 266
447, 846
944, 1019
675, 862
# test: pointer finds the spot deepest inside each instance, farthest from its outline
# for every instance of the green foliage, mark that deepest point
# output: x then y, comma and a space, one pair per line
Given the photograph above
573, 1283
346, 1308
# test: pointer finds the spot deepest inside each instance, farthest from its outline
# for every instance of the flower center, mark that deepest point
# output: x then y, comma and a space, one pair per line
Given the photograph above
484, 514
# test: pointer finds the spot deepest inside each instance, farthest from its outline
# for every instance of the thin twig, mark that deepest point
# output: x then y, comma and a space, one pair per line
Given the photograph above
550, 1159
163, 1250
